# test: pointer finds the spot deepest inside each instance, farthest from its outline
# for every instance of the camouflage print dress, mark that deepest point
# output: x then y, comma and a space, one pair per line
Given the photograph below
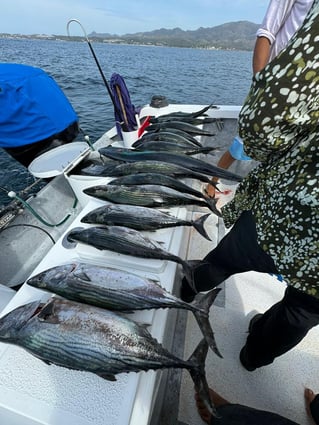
279, 123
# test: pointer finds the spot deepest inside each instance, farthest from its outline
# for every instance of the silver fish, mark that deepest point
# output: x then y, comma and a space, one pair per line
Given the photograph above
140, 218
181, 114
174, 134
119, 290
147, 195
175, 131
195, 164
189, 120
180, 125
82, 337
158, 167
128, 242
168, 136
163, 180
166, 146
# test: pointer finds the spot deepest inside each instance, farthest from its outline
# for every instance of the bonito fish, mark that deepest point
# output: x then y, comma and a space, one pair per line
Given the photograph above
82, 337
160, 179
168, 136
147, 195
165, 146
119, 290
140, 218
158, 167
180, 125
189, 120
129, 242
195, 164
182, 114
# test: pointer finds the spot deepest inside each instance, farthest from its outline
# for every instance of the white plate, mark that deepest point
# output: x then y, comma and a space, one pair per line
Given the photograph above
55, 161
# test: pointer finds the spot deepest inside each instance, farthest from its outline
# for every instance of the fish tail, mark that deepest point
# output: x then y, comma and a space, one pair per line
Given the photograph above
211, 203
197, 372
199, 226
203, 304
189, 274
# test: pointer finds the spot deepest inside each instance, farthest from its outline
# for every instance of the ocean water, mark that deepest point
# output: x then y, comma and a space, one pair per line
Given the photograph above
181, 75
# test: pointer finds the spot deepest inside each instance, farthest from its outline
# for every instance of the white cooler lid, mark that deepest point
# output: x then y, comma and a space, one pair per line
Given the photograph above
55, 161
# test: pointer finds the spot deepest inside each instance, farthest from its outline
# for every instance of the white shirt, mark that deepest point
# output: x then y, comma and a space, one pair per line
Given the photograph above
283, 18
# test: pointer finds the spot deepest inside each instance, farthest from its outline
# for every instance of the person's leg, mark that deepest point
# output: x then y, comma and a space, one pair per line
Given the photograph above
237, 414
202, 409
237, 252
280, 328
225, 161
312, 405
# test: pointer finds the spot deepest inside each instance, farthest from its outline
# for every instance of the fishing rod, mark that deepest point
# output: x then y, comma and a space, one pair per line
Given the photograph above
96, 61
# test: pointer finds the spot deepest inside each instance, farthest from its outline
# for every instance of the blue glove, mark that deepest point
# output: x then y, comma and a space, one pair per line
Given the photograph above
237, 150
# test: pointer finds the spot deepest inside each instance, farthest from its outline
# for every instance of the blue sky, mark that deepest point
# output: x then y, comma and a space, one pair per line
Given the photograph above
123, 16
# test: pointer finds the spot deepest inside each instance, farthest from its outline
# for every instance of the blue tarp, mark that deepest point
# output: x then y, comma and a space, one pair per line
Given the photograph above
125, 110
32, 106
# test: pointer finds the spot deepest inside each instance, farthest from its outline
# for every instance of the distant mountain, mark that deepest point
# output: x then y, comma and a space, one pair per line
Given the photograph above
233, 35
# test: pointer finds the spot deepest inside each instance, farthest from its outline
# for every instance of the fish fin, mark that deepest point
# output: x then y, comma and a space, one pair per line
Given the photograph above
160, 243
123, 313
107, 376
46, 361
211, 203
199, 226
82, 275
188, 267
46, 314
203, 150
203, 302
145, 325
203, 110
198, 359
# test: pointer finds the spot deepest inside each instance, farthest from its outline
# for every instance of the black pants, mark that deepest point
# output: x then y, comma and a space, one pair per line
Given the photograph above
286, 323
237, 414
237, 252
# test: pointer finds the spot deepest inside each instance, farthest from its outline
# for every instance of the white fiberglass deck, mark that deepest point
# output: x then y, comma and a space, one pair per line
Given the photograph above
31, 392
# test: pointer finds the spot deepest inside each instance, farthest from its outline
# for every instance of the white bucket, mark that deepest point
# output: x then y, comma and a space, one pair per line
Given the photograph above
129, 137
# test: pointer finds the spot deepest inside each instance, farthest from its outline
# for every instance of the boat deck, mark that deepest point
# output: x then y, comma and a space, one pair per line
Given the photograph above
163, 397
278, 387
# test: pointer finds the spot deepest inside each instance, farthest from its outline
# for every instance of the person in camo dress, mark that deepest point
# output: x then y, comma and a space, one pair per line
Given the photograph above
281, 21
274, 214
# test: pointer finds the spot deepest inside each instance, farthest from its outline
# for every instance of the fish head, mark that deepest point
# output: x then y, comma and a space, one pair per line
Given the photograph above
12, 322
52, 278
90, 190
74, 235
89, 218
96, 215
95, 190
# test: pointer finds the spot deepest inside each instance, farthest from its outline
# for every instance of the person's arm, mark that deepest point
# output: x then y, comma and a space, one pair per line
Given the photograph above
266, 46
261, 53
